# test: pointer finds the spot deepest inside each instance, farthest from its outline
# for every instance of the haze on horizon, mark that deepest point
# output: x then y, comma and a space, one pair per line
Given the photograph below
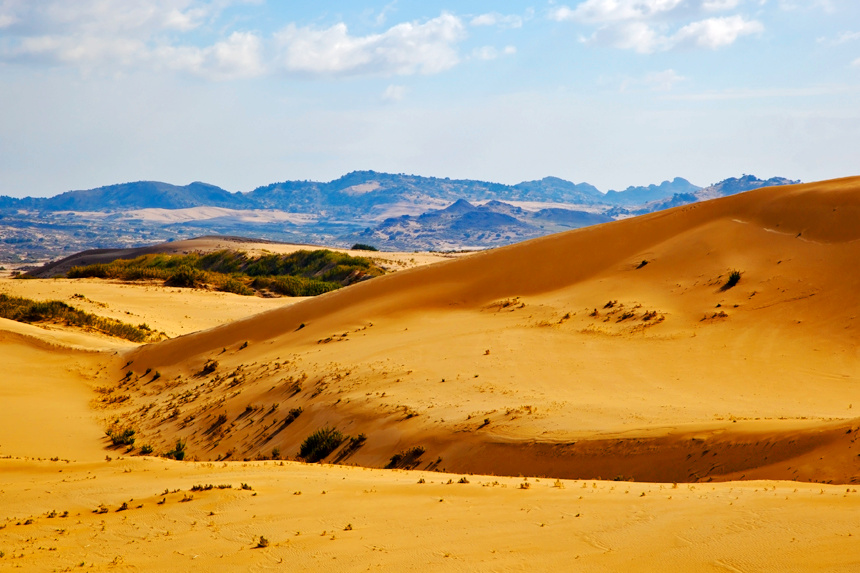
243, 93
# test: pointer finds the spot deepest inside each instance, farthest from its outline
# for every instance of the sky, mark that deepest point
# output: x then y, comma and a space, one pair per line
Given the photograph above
242, 93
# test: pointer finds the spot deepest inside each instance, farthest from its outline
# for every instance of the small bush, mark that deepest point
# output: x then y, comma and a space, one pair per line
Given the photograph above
208, 368
320, 444
734, 277
235, 286
292, 415
363, 247
123, 437
145, 450
407, 459
185, 276
263, 542
178, 452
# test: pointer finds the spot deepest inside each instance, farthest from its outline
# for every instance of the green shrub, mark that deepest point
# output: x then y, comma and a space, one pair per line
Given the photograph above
320, 444
123, 437
734, 277
185, 276
407, 459
363, 247
178, 452
145, 450
235, 286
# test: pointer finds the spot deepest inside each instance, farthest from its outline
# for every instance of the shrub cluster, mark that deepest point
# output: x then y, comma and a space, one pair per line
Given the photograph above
320, 444
55, 311
303, 273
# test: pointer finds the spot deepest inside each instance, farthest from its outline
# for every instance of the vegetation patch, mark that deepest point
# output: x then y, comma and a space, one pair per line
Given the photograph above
303, 273
57, 312
123, 437
320, 444
178, 452
734, 278
407, 459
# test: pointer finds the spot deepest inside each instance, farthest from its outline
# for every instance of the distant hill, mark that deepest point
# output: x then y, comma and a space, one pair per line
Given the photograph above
463, 225
640, 195
144, 195
394, 210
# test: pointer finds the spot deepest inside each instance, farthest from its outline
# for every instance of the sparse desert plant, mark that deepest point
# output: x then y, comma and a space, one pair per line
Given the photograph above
292, 415
263, 542
208, 368
124, 437
363, 247
734, 277
407, 459
353, 443
320, 444
178, 452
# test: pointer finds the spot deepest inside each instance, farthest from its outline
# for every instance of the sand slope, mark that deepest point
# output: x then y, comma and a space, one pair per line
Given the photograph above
544, 354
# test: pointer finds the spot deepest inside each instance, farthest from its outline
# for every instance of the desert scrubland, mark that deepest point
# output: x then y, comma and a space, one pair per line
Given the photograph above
676, 391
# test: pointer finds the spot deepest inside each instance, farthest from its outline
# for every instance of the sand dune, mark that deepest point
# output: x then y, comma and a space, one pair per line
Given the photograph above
564, 357
514, 348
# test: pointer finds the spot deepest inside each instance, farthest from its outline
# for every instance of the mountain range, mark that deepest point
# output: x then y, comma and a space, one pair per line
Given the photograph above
391, 211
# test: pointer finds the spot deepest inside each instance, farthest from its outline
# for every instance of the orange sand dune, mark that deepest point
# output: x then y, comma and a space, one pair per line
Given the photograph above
542, 354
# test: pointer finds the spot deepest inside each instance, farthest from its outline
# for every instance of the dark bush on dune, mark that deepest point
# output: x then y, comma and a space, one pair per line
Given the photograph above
320, 444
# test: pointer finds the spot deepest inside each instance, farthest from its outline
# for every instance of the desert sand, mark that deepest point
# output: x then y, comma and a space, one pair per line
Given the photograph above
660, 420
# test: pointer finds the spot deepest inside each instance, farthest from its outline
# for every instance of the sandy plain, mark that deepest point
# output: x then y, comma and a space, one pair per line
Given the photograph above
564, 363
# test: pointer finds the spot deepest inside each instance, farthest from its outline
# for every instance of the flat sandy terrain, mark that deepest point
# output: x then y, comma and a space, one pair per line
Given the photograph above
694, 427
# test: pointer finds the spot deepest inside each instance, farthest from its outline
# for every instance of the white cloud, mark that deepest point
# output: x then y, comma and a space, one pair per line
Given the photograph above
117, 34
648, 26
496, 19
856, 63
404, 49
614, 10
104, 17
715, 33
110, 36
790, 5
395, 93
240, 56
716, 5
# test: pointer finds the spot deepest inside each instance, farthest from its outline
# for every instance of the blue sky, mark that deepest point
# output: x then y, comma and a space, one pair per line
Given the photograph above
244, 93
